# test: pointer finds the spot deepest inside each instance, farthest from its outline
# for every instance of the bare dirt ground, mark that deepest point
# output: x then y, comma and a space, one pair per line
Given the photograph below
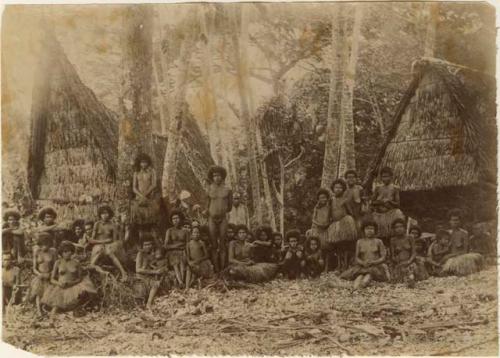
441, 316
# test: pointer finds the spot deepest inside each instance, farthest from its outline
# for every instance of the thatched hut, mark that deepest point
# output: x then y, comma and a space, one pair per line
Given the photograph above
442, 143
72, 162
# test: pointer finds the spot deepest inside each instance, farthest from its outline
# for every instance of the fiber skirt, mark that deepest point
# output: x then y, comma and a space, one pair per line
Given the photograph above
37, 287
321, 234
143, 285
114, 248
255, 273
384, 221
401, 274
176, 257
145, 212
378, 272
69, 297
204, 269
463, 265
342, 230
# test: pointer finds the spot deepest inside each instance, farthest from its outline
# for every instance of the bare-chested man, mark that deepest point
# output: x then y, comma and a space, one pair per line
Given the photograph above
220, 204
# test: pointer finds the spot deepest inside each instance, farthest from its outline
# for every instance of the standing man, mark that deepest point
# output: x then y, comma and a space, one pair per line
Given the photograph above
220, 203
239, 212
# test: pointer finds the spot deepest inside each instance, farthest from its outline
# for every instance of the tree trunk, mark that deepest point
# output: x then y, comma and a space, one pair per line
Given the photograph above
430, 34
347, 151
175, 125
333, 128
135, 127
250, 130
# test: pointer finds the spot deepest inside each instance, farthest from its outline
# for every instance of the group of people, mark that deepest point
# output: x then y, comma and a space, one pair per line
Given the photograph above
362, 237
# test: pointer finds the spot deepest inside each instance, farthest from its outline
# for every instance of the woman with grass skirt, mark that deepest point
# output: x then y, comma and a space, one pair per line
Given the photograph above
460, 262
241, 264
322, 216
68, 288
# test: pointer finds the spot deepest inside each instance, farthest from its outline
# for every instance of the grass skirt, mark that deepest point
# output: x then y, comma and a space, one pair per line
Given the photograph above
463, 265
69, 297
204, 269
145, 212
378, 272
384, 221
342, 230
321, 233
176, 257
38, 287
143, 284
255, 273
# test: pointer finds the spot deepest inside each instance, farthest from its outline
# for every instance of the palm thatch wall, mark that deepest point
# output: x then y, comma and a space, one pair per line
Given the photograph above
73, 153
444, 133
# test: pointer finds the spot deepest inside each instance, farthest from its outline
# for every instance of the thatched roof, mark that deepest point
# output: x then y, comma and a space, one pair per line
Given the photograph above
68, 122
443, 131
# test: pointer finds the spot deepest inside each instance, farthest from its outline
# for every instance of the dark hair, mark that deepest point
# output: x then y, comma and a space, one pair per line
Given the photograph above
266, 229
216, 169
231, 226
142, 157
241, 227
442, 233
148, 238
196, 228
386, 170
162, 249
78, 223
44, 238
323, 191
416, 227
397, 221
341, 182
292, 233
368, 223
455, 212
204, 230
107, 208
178, 213
11, 212
66, 246
47, 210
277, 233
313, 238
186, 222
88, 222
351, 171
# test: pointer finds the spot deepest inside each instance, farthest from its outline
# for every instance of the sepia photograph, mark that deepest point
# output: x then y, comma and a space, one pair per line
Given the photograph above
259, 179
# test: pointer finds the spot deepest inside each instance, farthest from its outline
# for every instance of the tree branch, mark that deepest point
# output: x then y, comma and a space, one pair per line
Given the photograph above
302, 151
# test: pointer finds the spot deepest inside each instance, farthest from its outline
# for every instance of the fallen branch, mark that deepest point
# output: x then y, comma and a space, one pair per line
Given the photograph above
451, 324
458, 350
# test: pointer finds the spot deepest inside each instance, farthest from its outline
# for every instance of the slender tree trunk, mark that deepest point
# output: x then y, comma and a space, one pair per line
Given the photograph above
135, 127
430, 34
250, 130
333, 128
348, 154
174, 130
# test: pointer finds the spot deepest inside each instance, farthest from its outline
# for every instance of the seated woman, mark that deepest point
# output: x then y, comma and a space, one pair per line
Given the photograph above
145, 208
369, 259
43, 262
69, 288
241, 264
438, 253
151, 267
13, 237
106, 243
403, 256
460, 262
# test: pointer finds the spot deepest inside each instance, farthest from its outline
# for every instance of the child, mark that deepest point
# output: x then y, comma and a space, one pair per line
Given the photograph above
421, 249
176, 238
277, 249
186, 226
197, 256
353, 194
293, 256
313, 261
47, 216
68, 288
43, 261
220, 203
13, 236
10, 280
437, 253
150, 268
403, 255
106, 244
322, 216
145, 208
241, 265
263, 244
83, 243
342, 232
460, 262
78, 230
386, 204
369, 259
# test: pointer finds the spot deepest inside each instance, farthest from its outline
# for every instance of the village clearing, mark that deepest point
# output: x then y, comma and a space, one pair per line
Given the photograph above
441, 316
